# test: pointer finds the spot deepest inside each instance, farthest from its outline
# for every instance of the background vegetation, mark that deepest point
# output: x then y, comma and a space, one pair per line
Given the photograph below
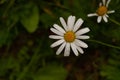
24, 44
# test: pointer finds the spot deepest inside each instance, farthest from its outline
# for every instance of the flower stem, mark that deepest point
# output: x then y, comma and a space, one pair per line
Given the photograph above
114, 21
105, 44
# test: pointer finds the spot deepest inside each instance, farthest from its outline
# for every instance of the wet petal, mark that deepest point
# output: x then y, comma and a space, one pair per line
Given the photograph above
77, 24
100, 4
103, 2
80, 49
81, 43
108, 3
57, 43
105, 19
71, 21
60, 49
67, 50
56, 32
99, 19
73, 46
106, 15
112, 11
93, 14
83, 37
82, 31
58, 28
63, 23
55, 37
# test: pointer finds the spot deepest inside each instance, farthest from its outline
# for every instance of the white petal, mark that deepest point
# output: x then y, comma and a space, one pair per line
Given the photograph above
82, 31
100, 4
58, 28
93, 14
71, 21
60, 48
56, 32
108, 3
73, 46
112, 11
99, 19
81, 43
80, 49
63, 23
103, 2
105, 19
57, 43
77, 24
83, 37
67, 50
106, 15
55, 37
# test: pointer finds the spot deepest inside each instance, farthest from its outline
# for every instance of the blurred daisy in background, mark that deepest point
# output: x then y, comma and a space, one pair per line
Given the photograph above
102, 11
69, 36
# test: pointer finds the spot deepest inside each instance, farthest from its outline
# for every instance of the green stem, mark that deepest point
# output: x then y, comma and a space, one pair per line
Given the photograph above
8, 7
34, 59
105, 44
114, 21
60, 6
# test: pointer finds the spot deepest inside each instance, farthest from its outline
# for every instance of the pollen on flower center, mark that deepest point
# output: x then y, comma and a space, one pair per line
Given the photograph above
102, 10
69, 36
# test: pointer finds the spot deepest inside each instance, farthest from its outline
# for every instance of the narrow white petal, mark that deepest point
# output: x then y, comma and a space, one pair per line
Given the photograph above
81, 43
80, 49
83, 37
105, 19
56, 32
59, 28
70, 22
63, 23
67, 49
77, 24
112, 11
99, 19
108, 3
60, 48
73, 46
82, 31
57, 43
106, 15
55, 37
103, 2
100, 4
93, 14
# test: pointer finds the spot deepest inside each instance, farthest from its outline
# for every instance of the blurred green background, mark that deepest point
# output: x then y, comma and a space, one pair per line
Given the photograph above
25, 52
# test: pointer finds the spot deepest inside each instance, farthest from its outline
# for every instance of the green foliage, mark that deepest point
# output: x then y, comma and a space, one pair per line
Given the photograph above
25, 52
3, 37
30, 21
112, 70
53, 72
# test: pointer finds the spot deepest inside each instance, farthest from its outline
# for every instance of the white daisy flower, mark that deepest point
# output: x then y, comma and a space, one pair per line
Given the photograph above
102, 11
69, 36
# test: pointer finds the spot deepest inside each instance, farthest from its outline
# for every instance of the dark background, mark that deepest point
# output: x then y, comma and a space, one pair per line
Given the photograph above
25, 52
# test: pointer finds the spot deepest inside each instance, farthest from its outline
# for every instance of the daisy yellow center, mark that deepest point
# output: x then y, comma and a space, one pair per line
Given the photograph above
102, 10
69, 36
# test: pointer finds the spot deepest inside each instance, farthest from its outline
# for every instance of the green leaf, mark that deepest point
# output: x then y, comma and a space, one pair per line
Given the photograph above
53, 72
7, 64
30, 22
4, 35
111, 72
